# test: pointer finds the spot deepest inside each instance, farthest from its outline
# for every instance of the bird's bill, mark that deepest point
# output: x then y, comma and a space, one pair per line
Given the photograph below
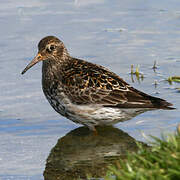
37, 58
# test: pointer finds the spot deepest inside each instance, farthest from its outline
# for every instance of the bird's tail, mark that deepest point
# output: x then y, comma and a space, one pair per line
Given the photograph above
161, 103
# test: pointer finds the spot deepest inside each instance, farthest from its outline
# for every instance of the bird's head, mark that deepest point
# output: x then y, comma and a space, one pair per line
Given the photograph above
49, 48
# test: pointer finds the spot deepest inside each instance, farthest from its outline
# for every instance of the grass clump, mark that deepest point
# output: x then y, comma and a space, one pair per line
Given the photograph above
161, 161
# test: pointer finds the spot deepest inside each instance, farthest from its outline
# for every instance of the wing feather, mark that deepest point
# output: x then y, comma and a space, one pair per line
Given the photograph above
88, 83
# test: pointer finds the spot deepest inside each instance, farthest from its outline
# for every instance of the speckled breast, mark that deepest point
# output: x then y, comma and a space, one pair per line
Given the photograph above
55, 97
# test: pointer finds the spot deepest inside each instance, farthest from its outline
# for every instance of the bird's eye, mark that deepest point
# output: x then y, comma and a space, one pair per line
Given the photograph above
51, 48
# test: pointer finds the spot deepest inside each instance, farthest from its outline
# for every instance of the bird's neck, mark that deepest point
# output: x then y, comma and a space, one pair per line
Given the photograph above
52, 70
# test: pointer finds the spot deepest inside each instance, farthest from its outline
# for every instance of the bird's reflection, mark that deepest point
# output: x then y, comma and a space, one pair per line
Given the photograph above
80, 153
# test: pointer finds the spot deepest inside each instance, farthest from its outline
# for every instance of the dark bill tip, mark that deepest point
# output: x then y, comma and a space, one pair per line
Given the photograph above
33, 62
24, 70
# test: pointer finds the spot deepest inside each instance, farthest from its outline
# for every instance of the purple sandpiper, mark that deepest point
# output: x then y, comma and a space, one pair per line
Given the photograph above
88, 93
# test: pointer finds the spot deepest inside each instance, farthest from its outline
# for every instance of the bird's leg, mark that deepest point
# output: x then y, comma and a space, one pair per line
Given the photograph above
93, 129
95, 132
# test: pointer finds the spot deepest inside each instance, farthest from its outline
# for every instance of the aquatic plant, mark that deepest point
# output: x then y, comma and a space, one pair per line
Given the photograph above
161, 161
174, 79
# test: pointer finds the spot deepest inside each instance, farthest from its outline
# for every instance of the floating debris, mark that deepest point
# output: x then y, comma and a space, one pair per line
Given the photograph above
115, 29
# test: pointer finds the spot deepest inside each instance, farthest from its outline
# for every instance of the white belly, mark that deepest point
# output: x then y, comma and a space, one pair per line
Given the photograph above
91, 115
97, 115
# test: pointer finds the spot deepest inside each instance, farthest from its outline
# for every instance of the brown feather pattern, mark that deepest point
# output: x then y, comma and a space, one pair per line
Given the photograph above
87, 83
88, 93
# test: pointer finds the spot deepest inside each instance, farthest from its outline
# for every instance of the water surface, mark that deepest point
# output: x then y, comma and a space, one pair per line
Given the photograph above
114, 34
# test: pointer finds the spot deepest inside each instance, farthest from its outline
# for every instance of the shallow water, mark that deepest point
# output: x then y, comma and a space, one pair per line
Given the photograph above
115, 35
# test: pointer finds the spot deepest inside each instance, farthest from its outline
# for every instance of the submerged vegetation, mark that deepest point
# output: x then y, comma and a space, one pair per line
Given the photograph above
138, 74
161, 161
174, 79
154, 66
